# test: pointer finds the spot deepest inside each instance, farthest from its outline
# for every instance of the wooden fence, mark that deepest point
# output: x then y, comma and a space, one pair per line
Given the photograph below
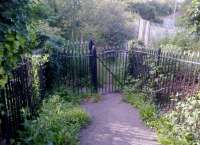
16, 95
169, 76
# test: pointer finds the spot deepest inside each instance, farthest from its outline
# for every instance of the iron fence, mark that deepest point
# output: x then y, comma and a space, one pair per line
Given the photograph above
16, 95
83, 68
169, 76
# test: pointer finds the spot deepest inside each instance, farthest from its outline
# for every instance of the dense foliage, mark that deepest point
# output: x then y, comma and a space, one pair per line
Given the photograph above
57, 126
177, 127
182, 41
188, 27
106, 21
194, 16
181, 126
151, 10
59, 122
17, 32
37, 62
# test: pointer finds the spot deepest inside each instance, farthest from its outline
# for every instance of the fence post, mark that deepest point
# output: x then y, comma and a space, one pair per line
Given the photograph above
158, 57
93, 65
1, 115
4, 131
157, 94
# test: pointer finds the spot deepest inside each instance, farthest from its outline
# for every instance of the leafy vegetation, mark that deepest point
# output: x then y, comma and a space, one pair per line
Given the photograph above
151, 10
56, 126
106, 21
182, 41
59, 122
36, 62
17, 33
177, 127
181, 126
188, 26
194, 16
47, 24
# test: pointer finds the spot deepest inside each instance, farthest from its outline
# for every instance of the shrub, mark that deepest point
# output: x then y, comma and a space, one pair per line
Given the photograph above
151, 10
36, 62
148, 113
69, 95
58, 123
178, 127
184, 123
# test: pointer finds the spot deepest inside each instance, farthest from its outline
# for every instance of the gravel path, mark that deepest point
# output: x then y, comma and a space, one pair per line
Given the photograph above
115, 123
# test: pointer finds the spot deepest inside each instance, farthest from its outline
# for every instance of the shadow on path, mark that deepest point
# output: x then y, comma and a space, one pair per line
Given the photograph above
115, 123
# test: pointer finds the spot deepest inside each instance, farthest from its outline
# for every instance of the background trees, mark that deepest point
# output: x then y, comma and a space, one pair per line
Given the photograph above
188, 22
81, 20
151, 10
107, 21
30, 24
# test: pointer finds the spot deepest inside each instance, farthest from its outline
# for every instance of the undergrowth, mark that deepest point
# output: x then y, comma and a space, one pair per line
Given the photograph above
178, 127
58, 123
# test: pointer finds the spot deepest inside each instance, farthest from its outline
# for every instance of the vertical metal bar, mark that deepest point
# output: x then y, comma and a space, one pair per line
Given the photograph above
93, 65
118, 66
104, 74
126, 66
109, 63
95, 70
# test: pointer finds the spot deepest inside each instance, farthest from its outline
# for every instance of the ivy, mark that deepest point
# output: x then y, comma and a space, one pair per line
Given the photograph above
17, 33
37, 61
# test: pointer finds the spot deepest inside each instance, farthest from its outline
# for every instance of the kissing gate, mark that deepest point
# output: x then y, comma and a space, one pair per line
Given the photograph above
85, 68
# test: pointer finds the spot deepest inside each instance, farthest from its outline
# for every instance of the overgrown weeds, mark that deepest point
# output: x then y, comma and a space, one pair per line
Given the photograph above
178, 127
59, 122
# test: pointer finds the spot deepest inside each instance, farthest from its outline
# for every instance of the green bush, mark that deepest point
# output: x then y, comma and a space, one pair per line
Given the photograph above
36, 62
148, 112
69, 95
151, 10
58, 123
178, 127
183, 123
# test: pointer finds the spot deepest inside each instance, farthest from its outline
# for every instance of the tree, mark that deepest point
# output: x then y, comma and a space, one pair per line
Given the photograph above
194, 16
150, 10
107, 21
63, 14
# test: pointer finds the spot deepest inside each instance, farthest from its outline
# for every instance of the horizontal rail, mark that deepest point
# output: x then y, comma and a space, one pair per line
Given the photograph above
169, 57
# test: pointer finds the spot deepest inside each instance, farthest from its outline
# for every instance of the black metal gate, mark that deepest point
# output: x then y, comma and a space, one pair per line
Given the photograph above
84, 68
108, 68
